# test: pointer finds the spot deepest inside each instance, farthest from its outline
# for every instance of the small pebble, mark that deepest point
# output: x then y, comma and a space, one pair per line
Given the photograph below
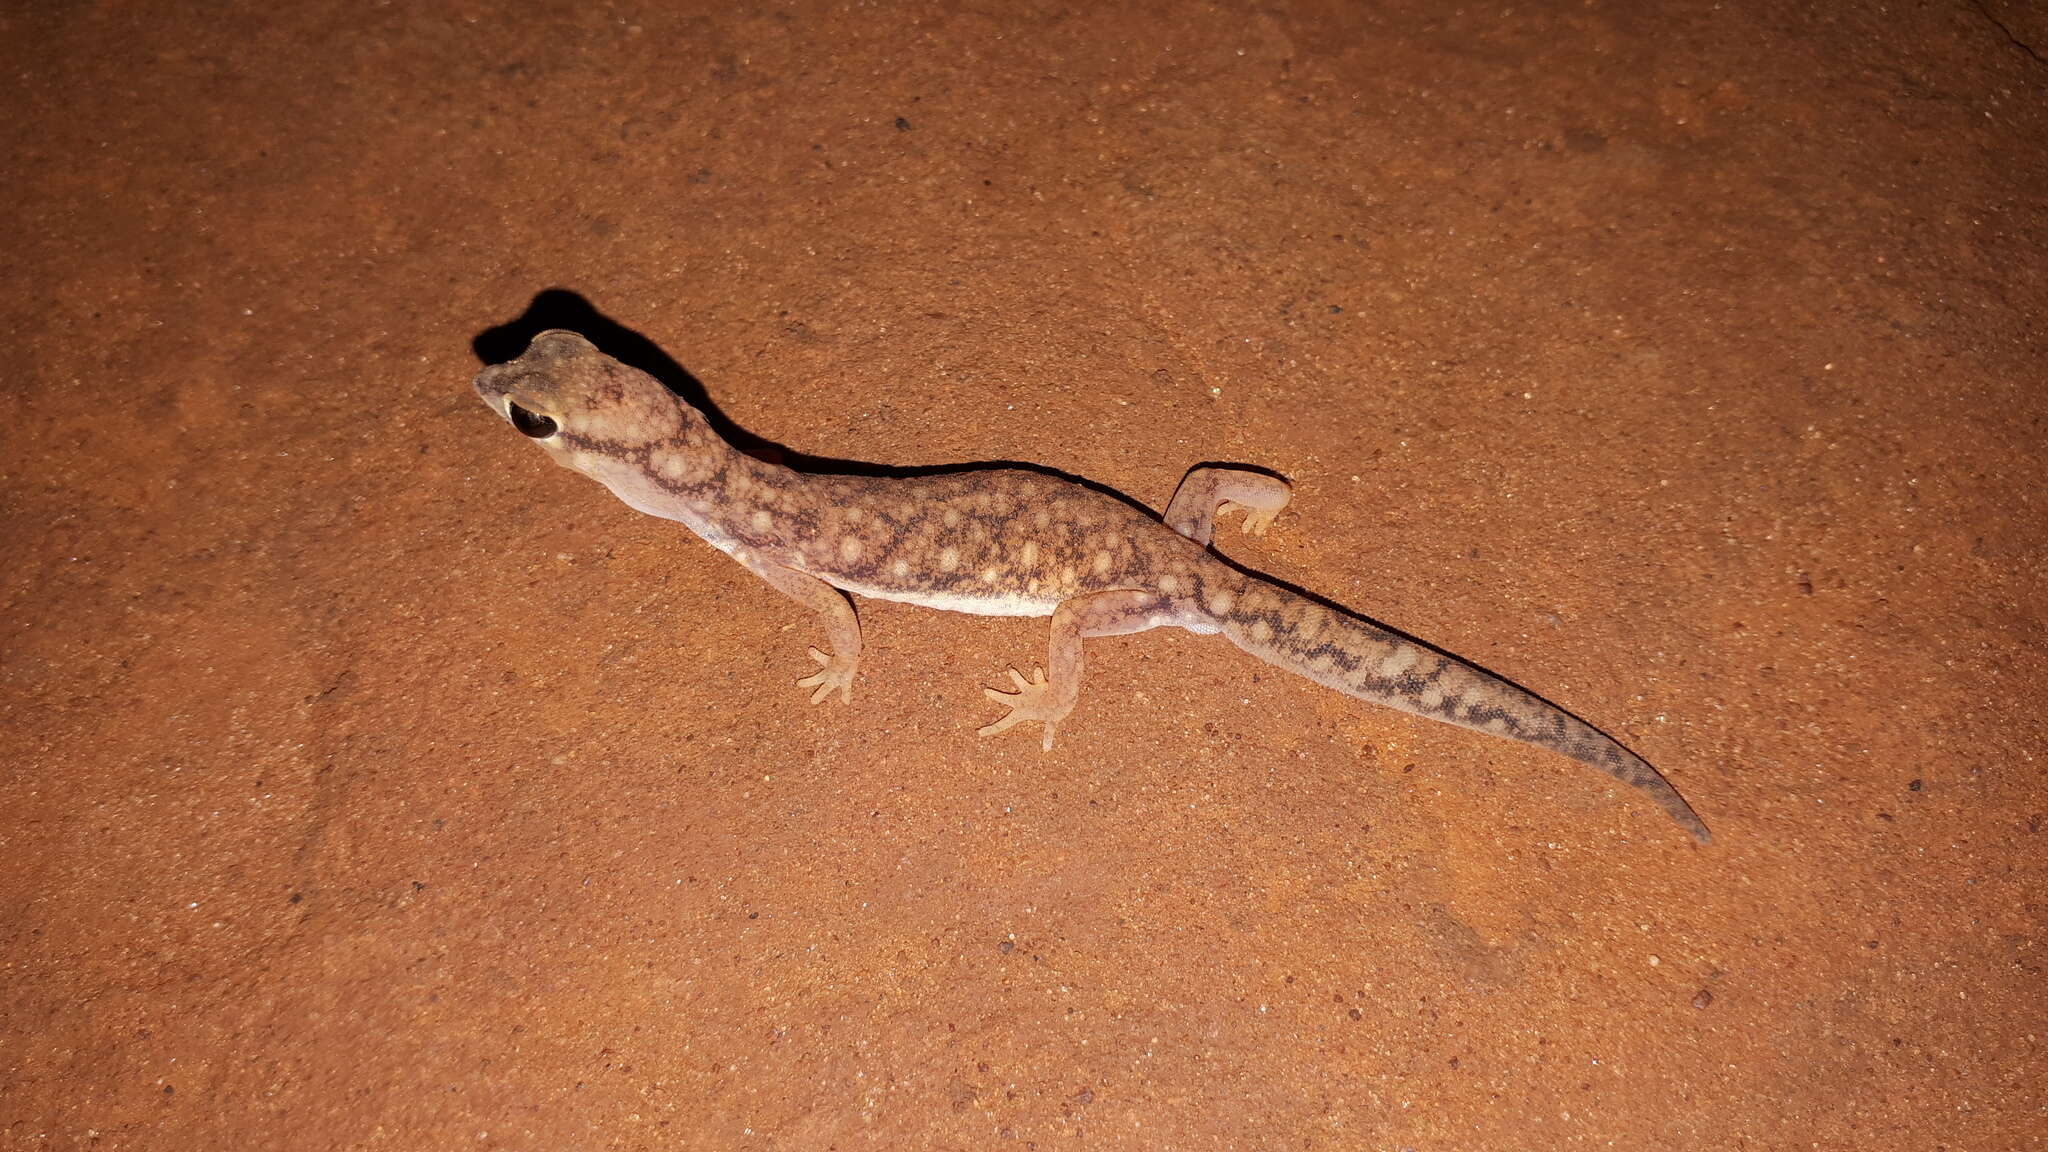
1702, 998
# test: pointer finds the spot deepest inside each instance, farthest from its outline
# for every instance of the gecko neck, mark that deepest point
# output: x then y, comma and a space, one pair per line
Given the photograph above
696, 478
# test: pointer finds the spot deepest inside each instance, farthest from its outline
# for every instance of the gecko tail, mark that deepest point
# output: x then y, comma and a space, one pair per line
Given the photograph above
1359, 658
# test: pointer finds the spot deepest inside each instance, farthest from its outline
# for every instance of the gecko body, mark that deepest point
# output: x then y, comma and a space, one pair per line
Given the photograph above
1003, 542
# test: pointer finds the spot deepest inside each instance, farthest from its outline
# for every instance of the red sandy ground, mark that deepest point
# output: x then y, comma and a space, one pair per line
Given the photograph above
372, 784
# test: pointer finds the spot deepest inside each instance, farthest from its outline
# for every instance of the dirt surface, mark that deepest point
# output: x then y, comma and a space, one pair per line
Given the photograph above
372, 784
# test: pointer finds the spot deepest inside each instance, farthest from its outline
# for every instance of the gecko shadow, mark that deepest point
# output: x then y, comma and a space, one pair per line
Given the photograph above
563, 308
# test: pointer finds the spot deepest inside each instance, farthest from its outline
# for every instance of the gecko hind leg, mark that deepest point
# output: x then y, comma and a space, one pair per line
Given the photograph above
1048, 700
1206, 493
842, 627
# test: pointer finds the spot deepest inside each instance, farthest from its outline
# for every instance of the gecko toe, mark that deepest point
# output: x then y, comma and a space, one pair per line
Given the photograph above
1003, 725
1256, 520
1031, 701
836, 675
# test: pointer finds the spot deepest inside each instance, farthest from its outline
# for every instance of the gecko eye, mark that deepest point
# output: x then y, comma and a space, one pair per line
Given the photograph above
530, 423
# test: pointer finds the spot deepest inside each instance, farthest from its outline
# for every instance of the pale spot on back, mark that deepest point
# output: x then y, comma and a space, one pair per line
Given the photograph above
849, 548
1398, 661
949, 559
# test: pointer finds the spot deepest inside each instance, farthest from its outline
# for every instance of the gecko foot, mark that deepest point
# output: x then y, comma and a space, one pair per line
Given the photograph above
1033, 700
1256, 520
836, 673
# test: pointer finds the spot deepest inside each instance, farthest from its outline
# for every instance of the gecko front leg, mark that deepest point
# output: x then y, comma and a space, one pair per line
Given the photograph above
1048, 701
842, 627
1206, 493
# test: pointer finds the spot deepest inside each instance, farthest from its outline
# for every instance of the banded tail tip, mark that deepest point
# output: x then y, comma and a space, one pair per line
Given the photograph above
1687, 818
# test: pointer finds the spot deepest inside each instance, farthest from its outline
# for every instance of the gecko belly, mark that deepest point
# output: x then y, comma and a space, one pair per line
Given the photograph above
989, 604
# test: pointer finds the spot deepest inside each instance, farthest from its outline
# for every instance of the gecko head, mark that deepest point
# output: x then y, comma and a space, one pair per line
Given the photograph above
577, 403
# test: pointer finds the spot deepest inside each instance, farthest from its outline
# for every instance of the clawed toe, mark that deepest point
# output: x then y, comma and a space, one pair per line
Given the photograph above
1033, 700
836, 674
1256, 520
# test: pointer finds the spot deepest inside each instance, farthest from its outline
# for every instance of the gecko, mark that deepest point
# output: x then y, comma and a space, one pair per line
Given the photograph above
1005, 541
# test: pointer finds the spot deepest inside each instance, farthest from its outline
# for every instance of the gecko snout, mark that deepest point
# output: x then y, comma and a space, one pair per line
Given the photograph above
530, 423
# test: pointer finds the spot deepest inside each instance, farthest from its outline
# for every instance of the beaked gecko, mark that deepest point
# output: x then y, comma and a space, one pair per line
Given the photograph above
1003, 542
